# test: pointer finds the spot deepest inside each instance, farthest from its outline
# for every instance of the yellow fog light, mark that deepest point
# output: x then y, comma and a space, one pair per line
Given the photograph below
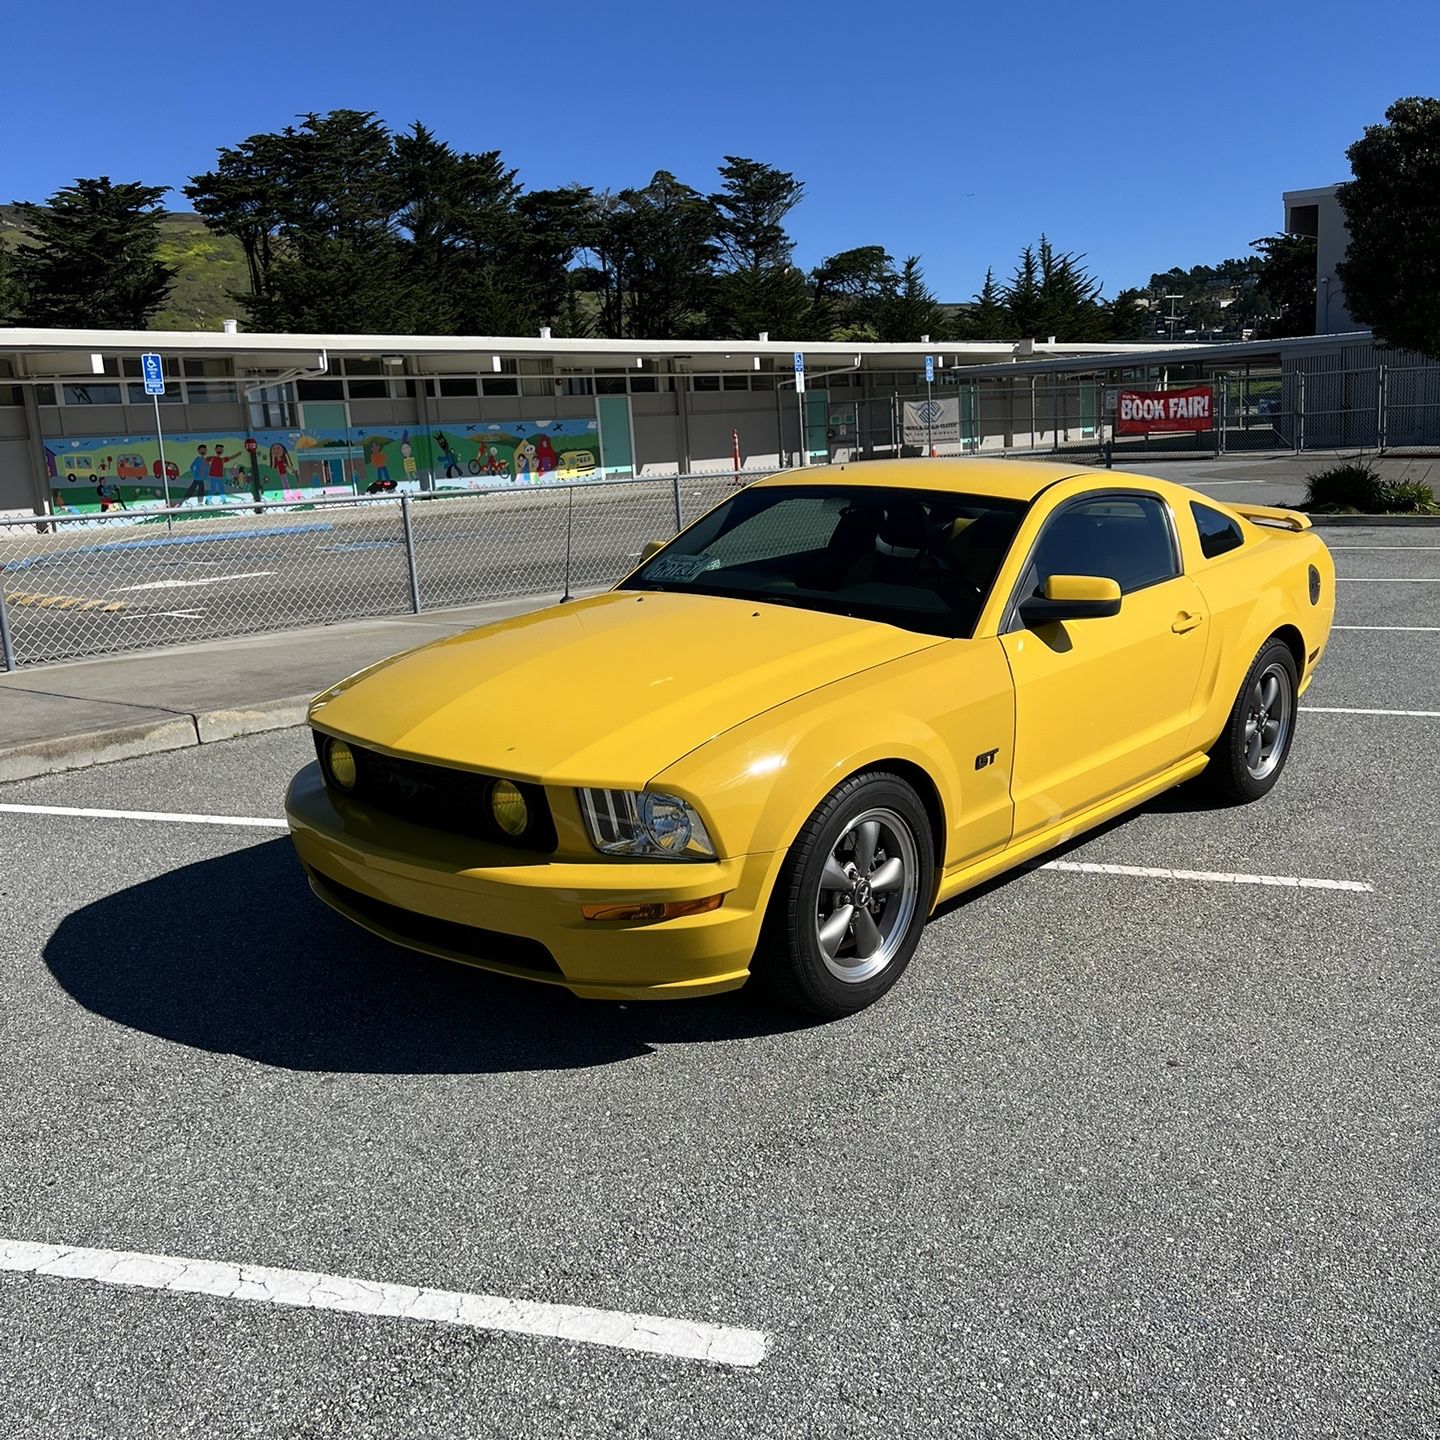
340, 761
508, 807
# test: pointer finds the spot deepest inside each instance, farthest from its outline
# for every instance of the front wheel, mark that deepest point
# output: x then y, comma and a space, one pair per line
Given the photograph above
851, 899
1251, 752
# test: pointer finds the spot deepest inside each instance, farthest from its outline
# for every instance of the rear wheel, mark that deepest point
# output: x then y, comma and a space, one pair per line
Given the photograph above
1247, 760
851, 899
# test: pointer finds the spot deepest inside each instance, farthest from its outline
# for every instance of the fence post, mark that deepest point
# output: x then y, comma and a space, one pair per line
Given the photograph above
679, 518
7, 645
1382, 407
1300, 417
1224, 411
410, 554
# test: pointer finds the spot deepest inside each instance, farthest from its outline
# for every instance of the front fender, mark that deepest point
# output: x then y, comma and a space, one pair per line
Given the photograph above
760, 781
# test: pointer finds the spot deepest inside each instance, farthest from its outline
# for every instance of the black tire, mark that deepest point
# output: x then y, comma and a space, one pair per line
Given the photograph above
1232, 776
790, 962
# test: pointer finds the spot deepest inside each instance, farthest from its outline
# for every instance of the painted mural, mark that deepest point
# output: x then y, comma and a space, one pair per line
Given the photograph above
99, 475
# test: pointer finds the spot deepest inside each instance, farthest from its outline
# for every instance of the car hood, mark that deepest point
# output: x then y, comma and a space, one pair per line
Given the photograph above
608, 690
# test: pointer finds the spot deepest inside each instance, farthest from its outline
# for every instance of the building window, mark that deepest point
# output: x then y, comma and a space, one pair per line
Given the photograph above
363, 367
273, 407
11, 395
45, 394
502, 385
137, 396
320, 389
93, 394
735, 382
609, 384
368, 389
643, 385
704, 382
459, 387
203, 367
210, 392
578, 385
762, 382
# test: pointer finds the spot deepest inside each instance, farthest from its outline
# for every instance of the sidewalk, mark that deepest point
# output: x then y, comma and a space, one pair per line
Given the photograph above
87, 712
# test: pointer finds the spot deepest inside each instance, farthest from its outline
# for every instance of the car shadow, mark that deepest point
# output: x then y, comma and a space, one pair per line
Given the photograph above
235, 955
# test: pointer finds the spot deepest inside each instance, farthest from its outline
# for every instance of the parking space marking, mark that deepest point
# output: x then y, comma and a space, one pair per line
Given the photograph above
1387, 579
616, 1329
178, 819
1426, 629
1215, 877
1345, 710
1383, 547
202, 580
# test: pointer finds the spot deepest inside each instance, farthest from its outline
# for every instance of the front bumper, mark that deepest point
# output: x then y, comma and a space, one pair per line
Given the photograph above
519, 914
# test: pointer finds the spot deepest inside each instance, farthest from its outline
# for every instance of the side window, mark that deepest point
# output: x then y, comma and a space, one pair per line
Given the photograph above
1123, 537
1219, 534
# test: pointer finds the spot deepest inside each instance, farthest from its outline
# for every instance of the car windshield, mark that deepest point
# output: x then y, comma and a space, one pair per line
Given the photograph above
918, 559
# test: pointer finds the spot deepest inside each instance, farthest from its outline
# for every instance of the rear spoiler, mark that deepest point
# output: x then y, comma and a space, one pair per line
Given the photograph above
1272, 515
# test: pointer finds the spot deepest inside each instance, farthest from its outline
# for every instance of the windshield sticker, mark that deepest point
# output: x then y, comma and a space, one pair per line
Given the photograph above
678, 567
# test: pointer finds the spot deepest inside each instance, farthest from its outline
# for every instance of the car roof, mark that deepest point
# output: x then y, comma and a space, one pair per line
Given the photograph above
1004, 479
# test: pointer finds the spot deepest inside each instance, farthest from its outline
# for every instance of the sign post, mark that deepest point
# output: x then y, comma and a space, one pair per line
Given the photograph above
153, 369
800, 405
930, 405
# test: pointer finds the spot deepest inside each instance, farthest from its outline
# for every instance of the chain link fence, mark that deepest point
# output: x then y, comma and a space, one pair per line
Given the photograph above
95, 585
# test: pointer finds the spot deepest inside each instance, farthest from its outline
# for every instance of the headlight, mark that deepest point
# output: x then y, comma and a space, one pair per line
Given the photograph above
635, 822
508, 807
340, 763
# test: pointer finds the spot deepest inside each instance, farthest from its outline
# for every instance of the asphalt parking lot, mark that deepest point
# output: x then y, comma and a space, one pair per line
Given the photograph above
1125, 1154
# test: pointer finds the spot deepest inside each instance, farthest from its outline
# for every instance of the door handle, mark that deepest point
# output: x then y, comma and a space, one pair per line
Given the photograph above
1186, 620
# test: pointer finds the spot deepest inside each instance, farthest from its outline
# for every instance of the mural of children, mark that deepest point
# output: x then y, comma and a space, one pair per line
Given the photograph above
218, 462
452, 463
545, 457
280, 463
407, 457
380, 466
524, 461
199, 468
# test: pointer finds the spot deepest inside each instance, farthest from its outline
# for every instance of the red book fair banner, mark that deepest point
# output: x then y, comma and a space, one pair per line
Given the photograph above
1138, 412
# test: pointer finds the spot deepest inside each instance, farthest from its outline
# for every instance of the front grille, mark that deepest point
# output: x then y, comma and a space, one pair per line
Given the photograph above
471, 941
441, 797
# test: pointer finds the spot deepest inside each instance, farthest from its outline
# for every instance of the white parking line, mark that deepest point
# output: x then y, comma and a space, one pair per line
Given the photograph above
1387, 579
176, 819
1216, 877
1345, 710
1427, 629
204, 580
618, 1329
1383, 547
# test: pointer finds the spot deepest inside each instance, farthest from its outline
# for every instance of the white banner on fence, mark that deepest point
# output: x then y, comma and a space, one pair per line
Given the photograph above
932, 421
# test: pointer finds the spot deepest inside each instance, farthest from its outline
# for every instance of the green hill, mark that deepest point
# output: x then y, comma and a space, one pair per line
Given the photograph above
209, 267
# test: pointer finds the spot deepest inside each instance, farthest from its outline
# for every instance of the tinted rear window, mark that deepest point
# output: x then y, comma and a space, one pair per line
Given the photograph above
1218, 533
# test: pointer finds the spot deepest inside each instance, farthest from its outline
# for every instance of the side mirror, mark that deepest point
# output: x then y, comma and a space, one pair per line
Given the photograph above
652, 548
1072, 597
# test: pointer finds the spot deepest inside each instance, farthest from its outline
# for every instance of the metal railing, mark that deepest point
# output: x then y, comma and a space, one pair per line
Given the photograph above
74, 586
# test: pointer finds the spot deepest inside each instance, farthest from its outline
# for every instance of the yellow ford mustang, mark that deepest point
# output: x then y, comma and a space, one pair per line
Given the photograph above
839, 699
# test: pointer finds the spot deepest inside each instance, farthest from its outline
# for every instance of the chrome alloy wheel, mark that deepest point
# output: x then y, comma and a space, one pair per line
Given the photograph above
1267, 720
867, 896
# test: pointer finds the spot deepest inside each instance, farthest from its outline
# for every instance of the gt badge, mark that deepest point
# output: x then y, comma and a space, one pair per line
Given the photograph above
986, 758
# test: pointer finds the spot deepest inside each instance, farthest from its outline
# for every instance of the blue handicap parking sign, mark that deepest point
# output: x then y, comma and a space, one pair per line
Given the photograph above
929, 369
154, 373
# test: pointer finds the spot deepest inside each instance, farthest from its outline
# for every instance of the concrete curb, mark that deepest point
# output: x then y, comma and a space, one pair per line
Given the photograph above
100, 747
1318, 520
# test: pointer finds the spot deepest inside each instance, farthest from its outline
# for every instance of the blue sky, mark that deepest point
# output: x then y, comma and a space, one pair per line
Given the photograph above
1145, 135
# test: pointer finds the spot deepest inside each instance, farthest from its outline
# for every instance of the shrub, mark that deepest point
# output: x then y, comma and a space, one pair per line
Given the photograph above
1351, 485
1357, 485
1410, 497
